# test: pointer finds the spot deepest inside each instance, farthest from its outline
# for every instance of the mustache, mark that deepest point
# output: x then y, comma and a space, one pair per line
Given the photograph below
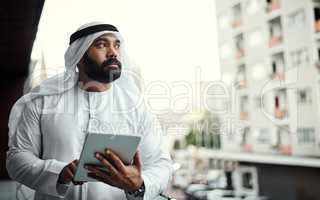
111, 61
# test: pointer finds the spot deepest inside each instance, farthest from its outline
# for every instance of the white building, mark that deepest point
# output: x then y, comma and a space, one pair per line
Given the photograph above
269, 52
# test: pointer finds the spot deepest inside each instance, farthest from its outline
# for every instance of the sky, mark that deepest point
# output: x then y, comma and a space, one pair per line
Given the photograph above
168, 39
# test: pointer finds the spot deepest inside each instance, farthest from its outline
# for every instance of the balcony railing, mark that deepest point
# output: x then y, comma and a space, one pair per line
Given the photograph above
274, 41
273, 5
240, 53
277, 76
244, 115
280, 113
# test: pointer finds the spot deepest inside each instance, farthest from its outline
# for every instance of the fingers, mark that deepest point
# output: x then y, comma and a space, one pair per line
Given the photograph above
99, 167
101, 179
68, 175
137, 161
76, 162
73, 167
116, 160
99, 174
106, 164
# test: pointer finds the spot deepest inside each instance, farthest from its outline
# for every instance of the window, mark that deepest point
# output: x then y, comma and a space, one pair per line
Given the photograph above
304, 96
317, 18
246, 135
306, 136
247, 181
272, 5
241, 80
244, 107
280, 103
275, 30
300, 57
317, 63
318, 46
237, 16
297, 20
244, 104
239, 46
278, 66
246, 140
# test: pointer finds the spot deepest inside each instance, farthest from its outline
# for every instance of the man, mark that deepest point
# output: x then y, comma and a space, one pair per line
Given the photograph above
48, 126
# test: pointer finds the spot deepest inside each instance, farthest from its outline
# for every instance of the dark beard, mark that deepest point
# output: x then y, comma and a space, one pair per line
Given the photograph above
102, 73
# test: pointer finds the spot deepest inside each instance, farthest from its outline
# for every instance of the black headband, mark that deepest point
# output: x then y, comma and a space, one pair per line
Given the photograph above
91, 29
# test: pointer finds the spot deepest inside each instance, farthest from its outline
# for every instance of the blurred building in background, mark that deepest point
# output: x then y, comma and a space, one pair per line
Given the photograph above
270, 51
269, 134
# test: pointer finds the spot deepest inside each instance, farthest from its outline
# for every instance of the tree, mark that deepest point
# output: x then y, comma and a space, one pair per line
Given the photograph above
204, 131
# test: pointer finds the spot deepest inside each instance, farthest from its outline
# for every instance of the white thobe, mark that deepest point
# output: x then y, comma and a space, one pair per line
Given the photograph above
52, 131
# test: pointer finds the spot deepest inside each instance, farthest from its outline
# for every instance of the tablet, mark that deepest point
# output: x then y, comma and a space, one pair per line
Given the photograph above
125, 146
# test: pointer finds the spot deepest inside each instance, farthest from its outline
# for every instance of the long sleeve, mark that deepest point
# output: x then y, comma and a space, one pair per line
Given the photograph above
157, 164
24, 163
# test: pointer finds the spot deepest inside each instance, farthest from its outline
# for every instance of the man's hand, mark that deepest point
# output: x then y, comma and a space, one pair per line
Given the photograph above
116, 173
68, 172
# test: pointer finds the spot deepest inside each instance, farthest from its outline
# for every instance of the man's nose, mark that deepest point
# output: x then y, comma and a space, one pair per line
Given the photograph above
112, 53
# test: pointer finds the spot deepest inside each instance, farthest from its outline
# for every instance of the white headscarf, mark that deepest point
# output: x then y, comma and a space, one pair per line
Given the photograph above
67, 80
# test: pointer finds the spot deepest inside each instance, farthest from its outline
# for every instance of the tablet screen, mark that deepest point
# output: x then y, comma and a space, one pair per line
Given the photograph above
125, 146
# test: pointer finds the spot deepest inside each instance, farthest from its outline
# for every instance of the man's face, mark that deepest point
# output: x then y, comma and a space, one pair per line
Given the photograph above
101, 60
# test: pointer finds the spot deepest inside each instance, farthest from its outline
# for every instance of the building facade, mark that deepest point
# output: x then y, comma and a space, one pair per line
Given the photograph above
269, 56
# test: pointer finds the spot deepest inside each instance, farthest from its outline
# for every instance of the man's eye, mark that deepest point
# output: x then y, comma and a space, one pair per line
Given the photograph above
101, 45
117, 46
